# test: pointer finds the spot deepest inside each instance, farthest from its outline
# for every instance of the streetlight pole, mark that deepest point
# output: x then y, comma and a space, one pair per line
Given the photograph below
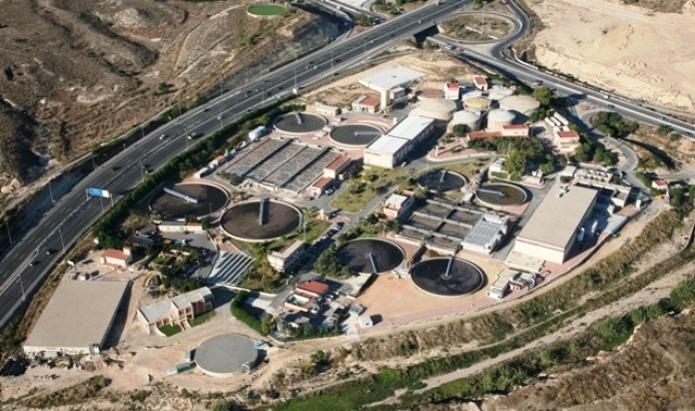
9, 234
60, 231
21, 284
50, 191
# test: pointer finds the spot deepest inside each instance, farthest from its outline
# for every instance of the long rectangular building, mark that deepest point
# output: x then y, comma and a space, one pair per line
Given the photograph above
391, 149
77, 319
551, 231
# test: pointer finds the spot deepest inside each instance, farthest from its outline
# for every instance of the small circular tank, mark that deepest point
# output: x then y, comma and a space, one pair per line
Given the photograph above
468, 118
498, 118
477, 104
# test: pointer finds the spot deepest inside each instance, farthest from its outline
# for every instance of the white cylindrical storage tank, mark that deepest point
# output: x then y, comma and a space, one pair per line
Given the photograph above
477, 104
524, 105
436, 108
471, 94
468, 118
498, 118
499, 93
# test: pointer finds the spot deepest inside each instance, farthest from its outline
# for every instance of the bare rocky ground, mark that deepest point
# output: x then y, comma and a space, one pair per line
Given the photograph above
654, 370
76, 73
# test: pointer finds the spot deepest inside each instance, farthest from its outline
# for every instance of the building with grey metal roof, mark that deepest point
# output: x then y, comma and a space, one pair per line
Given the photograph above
551, 231
486, 234
77, 319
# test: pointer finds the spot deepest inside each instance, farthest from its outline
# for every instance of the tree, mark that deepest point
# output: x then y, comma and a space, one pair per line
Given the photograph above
224, 406
460, 130
515, 162
268, 324
663, 130
543, 94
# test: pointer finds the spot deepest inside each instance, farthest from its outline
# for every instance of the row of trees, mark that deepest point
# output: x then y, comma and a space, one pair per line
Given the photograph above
613, 124
521, 153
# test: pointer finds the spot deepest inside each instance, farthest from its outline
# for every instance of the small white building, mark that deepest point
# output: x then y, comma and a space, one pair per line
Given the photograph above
116, 258
480, 82
500, 287
366, 322
325, 109
257, 133
565, 141
497, 166
398, 207
452, 90
337, 167
181, 227
367, 104
286, 257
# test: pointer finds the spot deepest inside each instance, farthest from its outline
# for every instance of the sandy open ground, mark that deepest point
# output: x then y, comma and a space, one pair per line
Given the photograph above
640, 54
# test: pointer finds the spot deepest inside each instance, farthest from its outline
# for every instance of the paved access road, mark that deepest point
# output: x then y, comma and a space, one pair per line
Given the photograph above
27, 263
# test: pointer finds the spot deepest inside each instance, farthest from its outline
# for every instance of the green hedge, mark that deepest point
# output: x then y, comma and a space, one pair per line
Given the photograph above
237, 309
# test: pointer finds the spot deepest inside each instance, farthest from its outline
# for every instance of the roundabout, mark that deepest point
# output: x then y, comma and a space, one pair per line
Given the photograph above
188, 199
370, 255
261, 220
448, 277
299, 123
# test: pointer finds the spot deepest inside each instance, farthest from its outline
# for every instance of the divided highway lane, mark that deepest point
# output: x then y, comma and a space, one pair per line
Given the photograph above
74, 213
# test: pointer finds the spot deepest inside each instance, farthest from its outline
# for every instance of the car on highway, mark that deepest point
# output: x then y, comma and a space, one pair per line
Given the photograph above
50, 251
192, 136
33, 263
163, 136
115, 168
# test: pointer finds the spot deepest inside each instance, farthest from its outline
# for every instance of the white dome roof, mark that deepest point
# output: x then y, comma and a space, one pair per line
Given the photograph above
471, 94
523, 104
501, 115
438, 104
466, 116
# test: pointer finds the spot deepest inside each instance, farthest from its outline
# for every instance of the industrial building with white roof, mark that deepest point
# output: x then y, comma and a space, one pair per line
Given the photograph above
77, 319
551, 231
391, 148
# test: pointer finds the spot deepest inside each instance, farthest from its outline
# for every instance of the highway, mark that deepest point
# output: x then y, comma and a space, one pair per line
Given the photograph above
527, 73
28, 262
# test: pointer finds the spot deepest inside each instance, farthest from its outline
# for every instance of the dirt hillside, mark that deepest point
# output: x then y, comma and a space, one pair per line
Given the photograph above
642, 50
79, 72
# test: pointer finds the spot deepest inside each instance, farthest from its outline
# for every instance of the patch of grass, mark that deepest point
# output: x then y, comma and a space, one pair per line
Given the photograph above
202, 318
267, 10
468, 168
365, 186
170, 330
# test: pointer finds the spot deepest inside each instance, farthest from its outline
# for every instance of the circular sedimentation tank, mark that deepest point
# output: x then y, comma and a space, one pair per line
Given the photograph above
447, 277
501, 195
299, 123
355, 135
363, 253
209, 198
243, 221
226, 355
442, 181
